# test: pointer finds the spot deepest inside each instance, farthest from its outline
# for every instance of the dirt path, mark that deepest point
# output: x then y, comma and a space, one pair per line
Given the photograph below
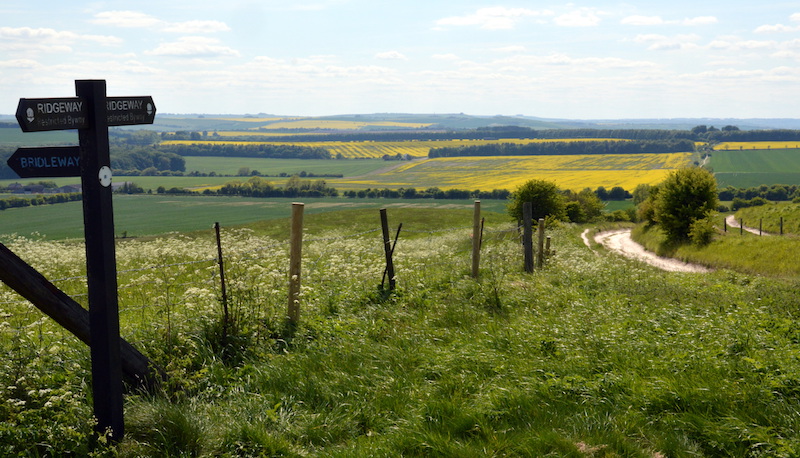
733, 222
619, 241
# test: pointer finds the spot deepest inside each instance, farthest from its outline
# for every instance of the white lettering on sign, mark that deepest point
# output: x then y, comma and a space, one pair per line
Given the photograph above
49, 162
123, 105
59, 107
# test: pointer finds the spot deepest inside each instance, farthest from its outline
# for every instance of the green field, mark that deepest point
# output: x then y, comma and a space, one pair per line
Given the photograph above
141, 215
750, 168
272, 167
16, 137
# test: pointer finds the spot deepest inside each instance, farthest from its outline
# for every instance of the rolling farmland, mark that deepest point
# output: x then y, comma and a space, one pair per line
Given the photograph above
370, 149
568, 172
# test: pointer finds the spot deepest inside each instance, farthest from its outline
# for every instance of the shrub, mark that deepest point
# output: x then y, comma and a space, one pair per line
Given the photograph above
545, 197
686, 196
702, 231
619, 215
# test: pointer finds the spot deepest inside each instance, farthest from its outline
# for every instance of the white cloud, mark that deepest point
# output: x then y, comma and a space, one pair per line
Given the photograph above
665, 43
20, 64
47, 40
128, 19
449, 56
658, 20
700, 20
493, 18
194, 47
391, 55
776, 28
582, 17
190, 27
642, 20
510, 49
135, 19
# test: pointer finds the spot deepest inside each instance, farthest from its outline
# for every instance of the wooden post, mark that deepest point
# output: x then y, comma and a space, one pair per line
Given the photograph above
540, 254
476, 239
295, 256
527, 235
387, 248
760, 220
725, 224
225, 315
101, 269
547, 247
741, 226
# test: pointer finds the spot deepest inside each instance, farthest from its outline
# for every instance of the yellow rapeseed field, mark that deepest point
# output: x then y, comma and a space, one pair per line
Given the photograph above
757, 145
568, 172
372, 149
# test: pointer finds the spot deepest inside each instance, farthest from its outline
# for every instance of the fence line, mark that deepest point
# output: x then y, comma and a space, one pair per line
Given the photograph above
177, 284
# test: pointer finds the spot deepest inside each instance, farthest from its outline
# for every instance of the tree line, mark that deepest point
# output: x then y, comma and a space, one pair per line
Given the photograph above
247, 150
565, 148
41, 199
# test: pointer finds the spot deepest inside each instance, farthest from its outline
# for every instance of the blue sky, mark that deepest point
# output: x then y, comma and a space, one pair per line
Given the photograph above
590, 60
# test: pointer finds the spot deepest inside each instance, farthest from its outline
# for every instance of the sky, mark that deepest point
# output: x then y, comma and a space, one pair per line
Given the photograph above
583, 60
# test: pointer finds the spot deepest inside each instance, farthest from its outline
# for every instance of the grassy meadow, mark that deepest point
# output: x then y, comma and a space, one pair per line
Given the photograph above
769, 216
589, 356
146, 215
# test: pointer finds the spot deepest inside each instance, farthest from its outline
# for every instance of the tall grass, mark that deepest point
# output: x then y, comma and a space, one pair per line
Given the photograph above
590, 356
769, 217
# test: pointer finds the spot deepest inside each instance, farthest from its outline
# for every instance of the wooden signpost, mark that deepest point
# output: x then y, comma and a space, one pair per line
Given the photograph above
91, 112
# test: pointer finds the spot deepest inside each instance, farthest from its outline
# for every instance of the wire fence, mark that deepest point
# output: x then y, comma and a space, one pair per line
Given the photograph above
181, 288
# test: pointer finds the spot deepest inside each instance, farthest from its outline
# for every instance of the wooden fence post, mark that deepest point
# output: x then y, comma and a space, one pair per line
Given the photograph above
540, 254
760, 220
225, 315
295, 257
547, 247
527, 235
388, 249
741, 226
725, 224
477, 233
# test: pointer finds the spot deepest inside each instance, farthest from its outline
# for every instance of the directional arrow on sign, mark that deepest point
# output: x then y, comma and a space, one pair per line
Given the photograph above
35, 115
127, 111
46, 162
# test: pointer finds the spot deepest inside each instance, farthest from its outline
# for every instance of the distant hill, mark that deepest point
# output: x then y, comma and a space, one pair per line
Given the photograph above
443, 121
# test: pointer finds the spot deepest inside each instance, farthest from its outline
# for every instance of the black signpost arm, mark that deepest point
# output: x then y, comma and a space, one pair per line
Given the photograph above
101, 261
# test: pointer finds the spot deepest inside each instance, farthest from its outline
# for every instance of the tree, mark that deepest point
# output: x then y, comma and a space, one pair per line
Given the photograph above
617, 193
641, 193
584, 206
686, 196
544, 196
